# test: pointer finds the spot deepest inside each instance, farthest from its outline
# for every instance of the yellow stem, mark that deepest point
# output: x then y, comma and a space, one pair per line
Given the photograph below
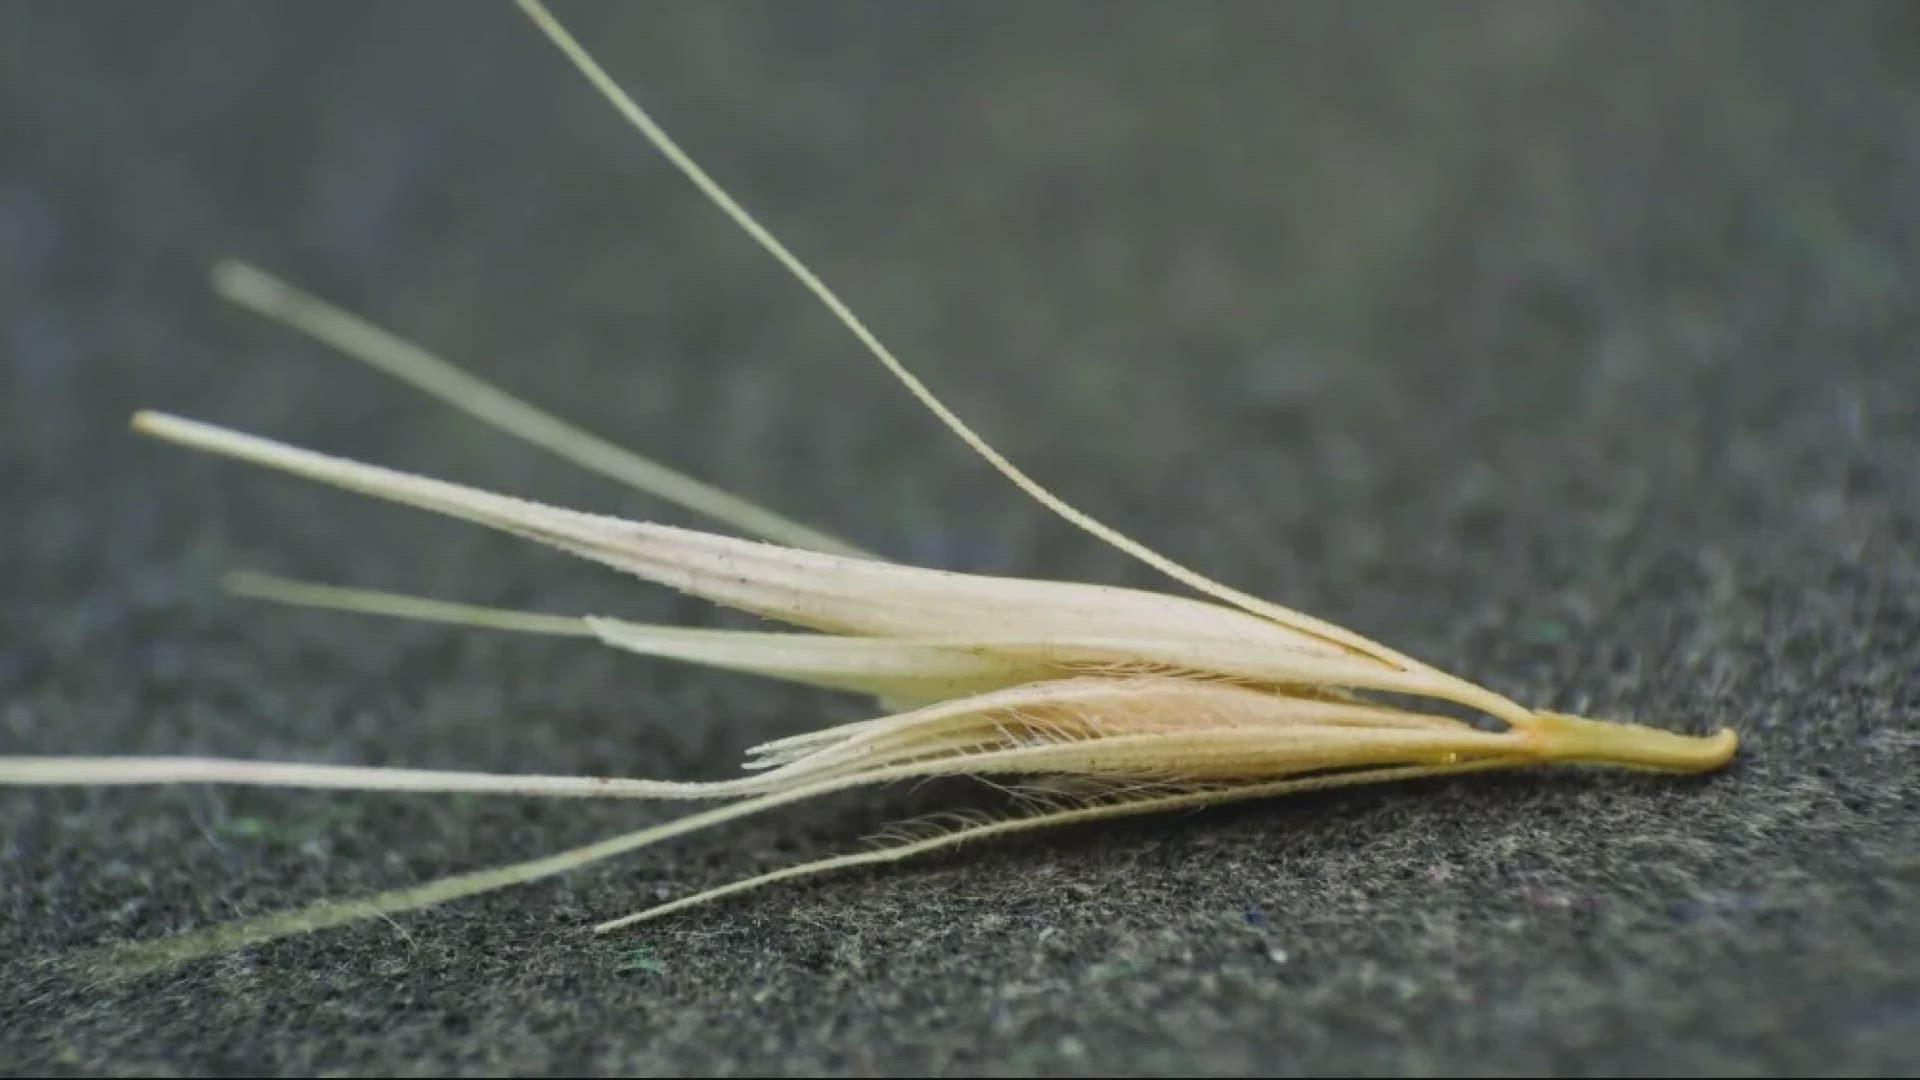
1560, 737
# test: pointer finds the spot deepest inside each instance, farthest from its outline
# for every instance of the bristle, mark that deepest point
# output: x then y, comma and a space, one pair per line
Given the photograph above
654, 133
354, 336
1122, 808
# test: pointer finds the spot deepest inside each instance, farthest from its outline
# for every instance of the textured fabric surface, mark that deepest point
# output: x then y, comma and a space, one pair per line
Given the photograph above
1573, 349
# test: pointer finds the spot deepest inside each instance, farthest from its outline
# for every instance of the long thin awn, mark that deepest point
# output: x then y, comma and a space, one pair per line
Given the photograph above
1147, 702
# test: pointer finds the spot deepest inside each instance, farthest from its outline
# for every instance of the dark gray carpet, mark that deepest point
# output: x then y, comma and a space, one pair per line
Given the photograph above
1573, 349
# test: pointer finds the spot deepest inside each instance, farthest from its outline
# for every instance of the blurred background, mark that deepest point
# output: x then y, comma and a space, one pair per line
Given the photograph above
1569, 347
